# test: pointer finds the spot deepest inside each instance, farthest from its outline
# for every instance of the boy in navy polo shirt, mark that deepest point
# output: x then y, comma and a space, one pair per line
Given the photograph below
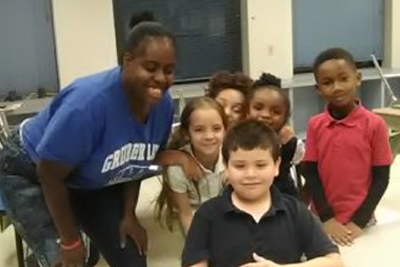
252, 223
347, 159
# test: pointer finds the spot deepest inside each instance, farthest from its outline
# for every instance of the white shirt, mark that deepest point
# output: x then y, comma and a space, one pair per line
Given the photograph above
209, 186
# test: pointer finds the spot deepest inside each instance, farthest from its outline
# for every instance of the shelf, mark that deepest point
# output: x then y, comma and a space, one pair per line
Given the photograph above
188, 90
368, 74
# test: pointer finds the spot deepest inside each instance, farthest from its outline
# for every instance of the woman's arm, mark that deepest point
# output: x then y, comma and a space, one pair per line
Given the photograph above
130, 225
171, 157
131, 196
175, 157
52, 176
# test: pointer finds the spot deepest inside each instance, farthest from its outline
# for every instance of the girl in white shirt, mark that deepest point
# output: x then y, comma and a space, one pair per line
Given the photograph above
200, 134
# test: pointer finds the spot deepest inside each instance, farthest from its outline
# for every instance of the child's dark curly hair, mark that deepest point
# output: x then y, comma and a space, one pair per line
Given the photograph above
267, 79
224, 79
270, 82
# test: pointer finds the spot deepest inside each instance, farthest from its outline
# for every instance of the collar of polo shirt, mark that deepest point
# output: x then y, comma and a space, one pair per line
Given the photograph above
276, 200
219, 166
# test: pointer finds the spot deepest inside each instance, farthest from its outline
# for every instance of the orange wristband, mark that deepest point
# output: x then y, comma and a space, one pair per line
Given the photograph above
71, 246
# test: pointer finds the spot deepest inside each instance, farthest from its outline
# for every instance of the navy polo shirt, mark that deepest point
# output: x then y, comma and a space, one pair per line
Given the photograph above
227, 236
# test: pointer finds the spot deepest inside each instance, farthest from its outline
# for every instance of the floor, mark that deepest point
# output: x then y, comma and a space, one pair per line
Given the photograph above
378, 246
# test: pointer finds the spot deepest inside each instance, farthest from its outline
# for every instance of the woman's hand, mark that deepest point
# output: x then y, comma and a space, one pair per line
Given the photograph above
191, 167
130, 227
74, 257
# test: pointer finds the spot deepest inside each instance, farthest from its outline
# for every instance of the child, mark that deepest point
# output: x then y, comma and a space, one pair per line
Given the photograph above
252, 223
230, 90
347, 158
270, 104
201, 131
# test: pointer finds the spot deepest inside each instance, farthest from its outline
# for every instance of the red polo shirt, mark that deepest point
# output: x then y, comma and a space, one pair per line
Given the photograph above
346, 150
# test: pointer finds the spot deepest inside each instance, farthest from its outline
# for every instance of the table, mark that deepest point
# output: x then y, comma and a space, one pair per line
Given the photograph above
392, 118
379, 245
19, 110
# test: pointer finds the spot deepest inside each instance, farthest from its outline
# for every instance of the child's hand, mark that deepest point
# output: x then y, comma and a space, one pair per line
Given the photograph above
260, 262
339, 233
356, 231
285, 134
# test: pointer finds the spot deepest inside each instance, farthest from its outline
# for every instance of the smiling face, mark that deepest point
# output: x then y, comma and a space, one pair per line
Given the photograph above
206, 132
149, 71
233, 102
269, 106
337, 82
251, 173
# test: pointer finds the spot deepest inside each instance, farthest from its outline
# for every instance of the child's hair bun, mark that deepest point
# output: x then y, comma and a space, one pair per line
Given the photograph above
267, 79
140, 17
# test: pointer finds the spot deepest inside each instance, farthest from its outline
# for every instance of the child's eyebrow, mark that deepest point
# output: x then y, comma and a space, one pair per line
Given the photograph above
323, 79
278, 107
344, 73
150, 61
238, 161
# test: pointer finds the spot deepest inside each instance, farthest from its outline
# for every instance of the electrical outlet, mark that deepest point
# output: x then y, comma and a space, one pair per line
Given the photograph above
270, 50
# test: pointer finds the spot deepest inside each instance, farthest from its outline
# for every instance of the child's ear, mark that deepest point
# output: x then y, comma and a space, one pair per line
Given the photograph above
359, 79
226, 171
226, 168
277, 164
226, 175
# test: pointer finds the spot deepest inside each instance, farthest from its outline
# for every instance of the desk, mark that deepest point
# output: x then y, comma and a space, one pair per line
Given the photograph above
392, 118
19, 110
379, 245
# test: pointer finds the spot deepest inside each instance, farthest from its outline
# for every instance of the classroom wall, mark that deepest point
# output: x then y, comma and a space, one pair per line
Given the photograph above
27, 59
392, 36
85, 37
267, 37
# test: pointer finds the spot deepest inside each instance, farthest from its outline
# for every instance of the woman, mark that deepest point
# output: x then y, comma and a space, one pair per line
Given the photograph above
78, 163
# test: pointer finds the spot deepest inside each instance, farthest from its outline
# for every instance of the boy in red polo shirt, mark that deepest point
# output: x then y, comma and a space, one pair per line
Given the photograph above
347, 159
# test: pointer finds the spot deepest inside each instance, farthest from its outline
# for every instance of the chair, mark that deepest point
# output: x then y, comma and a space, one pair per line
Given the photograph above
4, 133
23, 251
